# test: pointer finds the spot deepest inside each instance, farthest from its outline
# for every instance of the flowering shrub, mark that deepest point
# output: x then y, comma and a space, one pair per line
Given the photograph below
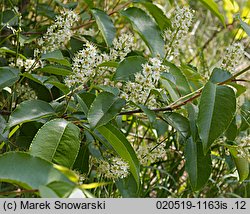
124, 99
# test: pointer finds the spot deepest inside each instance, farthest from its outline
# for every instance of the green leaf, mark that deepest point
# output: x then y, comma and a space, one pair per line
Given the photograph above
85, 100
59, 85
89, 3
28, 171
127, 187
55, 70
162, 21
30, 110
231, 132
123, 148
150, 114
241, 163
105, 25
56, 56
216, 111
128, 68
198, 165
244, 25
7, 50
147, 29
218, 75
182, 86
8, 16
82, 161
104, 108
8, 76
179, 122
213, 7
58, 142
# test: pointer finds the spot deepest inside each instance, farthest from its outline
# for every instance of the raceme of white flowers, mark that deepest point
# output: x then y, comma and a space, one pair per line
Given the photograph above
27, 64
24, 92
139, 91
85, 65
59, 33
175, 37
86, 62
150, 153
232, 57
115, 168
122, 45
243, 147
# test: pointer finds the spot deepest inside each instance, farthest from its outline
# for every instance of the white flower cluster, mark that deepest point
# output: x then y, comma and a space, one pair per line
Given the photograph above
59, 33
150, 153
22, 63
233, 55
85, 65
139, 91
176, 36
115, 169
86, 61
243, 147
24, 92
122, 46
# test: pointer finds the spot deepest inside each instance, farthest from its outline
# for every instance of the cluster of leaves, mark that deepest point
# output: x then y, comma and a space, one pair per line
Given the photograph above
49, 145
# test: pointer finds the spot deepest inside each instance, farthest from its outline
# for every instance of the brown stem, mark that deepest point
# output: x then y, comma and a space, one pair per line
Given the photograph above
175, 105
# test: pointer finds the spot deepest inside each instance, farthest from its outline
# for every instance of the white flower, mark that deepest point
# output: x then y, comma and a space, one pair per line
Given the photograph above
122, 46
115, 169
174, 38
150, 153
232, 57
59, 33
24, 92
139, 90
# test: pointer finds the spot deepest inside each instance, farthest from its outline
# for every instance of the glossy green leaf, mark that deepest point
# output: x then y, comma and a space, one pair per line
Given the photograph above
8, 76
123, 148
28, 171
241, 163
150, 114
213, 7
55, 70
82, 161
216, 111
147, 29
179, 122
59, 85
105, 25
89, 3
56, 189
85, 100
160, 18
198, 165
56, 56
57, 141
127, 187
245, 115
30, 110
128, 68
218, 75
104, 108
182, 86
232, 131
